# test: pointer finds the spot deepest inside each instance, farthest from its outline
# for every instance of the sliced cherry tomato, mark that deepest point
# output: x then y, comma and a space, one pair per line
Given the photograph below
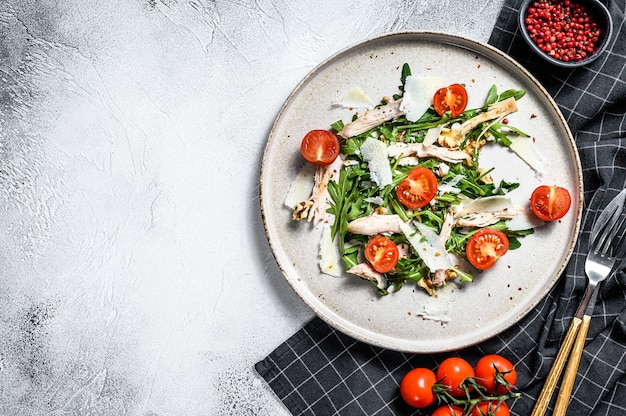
382, 253
495, 371
550, 203
452, 372
448, 410
485, 247
418, 188
416, 387
492, 408
452, 98
320, 147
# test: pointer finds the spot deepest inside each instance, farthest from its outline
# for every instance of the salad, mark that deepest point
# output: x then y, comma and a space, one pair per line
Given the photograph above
401, 195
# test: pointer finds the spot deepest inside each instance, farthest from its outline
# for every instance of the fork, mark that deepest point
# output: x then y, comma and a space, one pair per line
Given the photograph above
606, 236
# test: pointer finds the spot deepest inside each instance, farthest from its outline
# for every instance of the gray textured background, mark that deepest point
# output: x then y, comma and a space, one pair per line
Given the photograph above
135, 276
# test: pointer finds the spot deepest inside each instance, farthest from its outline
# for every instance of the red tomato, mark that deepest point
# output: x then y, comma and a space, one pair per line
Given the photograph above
485, 247
382, 253
416, 387
491, 409
452, 98
320, 147
418, 188
448, 410
451, 373
492, 370
550, 203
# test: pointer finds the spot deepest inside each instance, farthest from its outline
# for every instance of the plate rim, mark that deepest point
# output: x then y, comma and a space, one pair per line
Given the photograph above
456, 41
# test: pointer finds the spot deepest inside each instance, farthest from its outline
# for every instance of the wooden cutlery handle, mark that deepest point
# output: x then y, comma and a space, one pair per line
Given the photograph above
555, 372
572, 367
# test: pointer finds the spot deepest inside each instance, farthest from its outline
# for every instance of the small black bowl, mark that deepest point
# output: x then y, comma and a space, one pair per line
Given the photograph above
600, 16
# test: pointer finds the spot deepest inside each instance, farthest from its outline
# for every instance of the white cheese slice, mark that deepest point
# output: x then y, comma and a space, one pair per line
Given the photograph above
418, 95
375, 154
428, 246
432, 134
450, 187
329, 259
523, 147
355, 97
301, 187
489, 203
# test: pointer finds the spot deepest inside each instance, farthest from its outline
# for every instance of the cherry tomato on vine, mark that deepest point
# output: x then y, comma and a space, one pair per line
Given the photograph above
320, 147
382, 253
452, 98
451, 373
418, 188
485, 247
448, 410
416, 387
550, 203
488, 377
492, 408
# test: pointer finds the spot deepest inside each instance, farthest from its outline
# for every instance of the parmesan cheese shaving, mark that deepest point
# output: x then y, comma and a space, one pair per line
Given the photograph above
329, 253
418, 95
490, 203
428, 246
375, 154
301, 187
523, 148
355, 97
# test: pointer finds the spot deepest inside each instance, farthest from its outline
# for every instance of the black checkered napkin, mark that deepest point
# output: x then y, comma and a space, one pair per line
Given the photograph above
320, 371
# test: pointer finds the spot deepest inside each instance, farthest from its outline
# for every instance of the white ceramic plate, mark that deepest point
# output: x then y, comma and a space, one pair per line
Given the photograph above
463, 314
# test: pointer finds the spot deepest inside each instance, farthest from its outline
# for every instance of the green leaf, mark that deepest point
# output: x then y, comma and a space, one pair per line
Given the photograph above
492, 96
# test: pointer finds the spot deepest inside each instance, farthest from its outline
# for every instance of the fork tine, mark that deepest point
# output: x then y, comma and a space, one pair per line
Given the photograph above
605, 223
619, 237
612, 236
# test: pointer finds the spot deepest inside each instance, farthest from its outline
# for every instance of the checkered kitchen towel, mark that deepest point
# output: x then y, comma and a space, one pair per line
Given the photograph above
320, 371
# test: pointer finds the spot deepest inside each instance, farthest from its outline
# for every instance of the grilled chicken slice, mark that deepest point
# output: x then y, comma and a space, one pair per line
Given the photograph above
498, 110
421, 150
366, 272
376, 224
372, 118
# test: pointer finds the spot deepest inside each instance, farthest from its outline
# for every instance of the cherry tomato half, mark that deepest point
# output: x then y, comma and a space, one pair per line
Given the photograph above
485, 247
492, 408
448, 410
452, 98
382, 253
492, 370
550, 203
416, 387
451, 373
418, 188
320, 147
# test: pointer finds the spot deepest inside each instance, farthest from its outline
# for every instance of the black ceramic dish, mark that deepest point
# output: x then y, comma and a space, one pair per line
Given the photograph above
600, 15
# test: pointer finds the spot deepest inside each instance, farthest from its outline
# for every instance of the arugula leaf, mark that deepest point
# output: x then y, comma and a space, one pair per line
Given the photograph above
492, 96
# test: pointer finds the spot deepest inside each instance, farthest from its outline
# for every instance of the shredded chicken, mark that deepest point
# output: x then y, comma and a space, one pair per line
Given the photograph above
453, 137
483, 219
376, 224
366, 272
372, 118
421, 150
438, 278
446, 227
497, 110
314, 208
